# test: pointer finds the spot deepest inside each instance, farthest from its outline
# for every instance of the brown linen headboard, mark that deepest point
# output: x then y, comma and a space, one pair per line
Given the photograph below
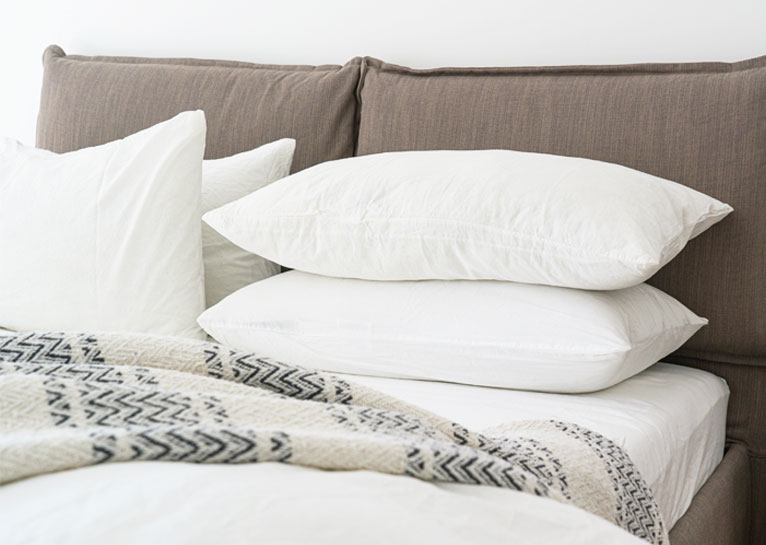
88, 101
701, 124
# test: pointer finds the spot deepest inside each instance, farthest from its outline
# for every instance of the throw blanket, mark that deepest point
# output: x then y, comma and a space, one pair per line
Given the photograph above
71, 400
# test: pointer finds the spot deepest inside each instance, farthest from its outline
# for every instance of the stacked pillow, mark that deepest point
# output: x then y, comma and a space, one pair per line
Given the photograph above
494, 267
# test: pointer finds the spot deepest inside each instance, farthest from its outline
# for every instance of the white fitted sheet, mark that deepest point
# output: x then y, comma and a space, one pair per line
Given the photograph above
670, 419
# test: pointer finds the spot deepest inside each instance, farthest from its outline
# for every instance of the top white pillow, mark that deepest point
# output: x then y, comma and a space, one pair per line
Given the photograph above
492, 214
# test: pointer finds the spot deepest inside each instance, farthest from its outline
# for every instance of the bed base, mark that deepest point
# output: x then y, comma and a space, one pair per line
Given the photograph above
720, 512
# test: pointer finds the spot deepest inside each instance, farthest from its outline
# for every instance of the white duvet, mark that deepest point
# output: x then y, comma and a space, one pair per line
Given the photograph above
175, 503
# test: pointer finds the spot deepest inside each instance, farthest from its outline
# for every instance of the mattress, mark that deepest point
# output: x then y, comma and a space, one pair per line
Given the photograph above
670, 419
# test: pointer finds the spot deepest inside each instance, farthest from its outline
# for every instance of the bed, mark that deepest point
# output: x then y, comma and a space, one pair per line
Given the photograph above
692, 425
675, 455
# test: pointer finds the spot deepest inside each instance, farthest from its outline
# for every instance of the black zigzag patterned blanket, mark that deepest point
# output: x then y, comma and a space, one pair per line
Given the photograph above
71, 400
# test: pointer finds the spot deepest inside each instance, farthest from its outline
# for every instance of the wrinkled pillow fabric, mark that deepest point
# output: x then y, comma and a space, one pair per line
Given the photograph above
490, 214
105, 238
487, 333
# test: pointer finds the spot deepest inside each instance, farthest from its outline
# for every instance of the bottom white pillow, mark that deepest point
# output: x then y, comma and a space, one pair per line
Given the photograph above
486, 333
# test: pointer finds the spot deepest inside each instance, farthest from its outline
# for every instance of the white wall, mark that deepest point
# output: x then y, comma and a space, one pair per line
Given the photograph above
418, 33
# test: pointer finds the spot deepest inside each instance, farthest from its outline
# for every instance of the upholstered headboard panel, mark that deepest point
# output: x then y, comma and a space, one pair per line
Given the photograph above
88, 101
703, 125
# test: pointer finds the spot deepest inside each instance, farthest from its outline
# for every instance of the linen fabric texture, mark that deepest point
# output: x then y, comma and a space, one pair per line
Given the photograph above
720, 513
88, 101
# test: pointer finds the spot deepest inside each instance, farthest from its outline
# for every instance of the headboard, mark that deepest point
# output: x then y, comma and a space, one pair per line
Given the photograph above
87, 101
700, 124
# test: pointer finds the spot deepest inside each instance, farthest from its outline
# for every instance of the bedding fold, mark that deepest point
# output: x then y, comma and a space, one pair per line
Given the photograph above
69, 400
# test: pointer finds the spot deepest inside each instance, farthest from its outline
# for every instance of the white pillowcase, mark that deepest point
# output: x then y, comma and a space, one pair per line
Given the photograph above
492, 214
228, 267
105, 238
486, 333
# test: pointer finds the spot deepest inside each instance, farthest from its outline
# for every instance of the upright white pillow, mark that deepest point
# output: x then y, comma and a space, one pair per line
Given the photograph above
227, 266
105, 238
486, 333
492, 214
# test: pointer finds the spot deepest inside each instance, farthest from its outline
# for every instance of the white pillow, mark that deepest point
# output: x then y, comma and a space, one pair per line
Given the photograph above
492, 214
228, 267
105, 238
473, 332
